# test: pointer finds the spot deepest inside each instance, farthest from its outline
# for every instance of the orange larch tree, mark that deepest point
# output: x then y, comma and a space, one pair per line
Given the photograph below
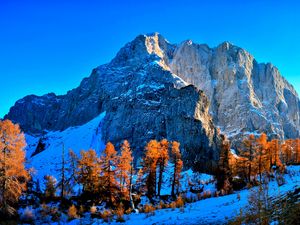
125, 170
109, 161
71, 172
274, 153
140, 183
224, 173
287, 151
162, 162
13, 175
89, 171
297, 150
178, 164
50, 187
149, 166
248, 153
260, 159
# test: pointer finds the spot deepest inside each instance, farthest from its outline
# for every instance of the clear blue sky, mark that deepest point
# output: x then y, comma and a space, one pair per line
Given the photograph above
49, 46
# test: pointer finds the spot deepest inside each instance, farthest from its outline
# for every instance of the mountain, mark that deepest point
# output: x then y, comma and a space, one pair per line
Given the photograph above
155, 89
246, 96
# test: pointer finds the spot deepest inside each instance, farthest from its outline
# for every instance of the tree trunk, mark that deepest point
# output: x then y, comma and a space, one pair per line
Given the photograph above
271, 159
160, 178
259, 168
174, 178
154, 177
109, 186
130, 187
249, 172
251, 158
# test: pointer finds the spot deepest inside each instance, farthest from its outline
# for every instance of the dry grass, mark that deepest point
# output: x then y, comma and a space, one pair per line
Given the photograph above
179, 202
120, 213
106, 215
206, 194
149, 209
72, 212
172, 205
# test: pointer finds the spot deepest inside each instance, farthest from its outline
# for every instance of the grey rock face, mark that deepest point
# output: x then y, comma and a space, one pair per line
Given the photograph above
245, 96
151, 89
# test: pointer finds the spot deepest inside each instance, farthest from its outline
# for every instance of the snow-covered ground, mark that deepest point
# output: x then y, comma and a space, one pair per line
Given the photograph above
78, 138
216, 210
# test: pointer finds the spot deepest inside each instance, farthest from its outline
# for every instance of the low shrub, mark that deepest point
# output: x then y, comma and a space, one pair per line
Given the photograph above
179, 202
106, 215
128, 211
149, 210
172, 205
206, 194
72, 212
120, 213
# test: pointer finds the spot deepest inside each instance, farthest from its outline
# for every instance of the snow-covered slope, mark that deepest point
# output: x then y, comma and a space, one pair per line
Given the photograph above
215, 210
78, 138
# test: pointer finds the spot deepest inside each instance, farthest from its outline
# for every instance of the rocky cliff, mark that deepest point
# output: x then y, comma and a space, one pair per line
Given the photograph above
152, 89
246, 96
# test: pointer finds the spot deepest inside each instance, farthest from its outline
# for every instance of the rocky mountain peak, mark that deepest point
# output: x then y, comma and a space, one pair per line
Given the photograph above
229, 72
151, 89
225, 46
144, 48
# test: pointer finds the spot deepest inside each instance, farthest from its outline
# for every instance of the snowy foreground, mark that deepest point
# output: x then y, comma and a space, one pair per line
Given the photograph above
216, 210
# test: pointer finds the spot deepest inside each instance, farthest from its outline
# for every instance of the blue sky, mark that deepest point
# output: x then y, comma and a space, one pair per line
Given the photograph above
49, 46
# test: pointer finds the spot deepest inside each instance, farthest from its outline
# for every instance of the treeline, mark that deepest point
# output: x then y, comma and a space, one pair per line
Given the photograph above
109, 177
109, 180
257, 156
